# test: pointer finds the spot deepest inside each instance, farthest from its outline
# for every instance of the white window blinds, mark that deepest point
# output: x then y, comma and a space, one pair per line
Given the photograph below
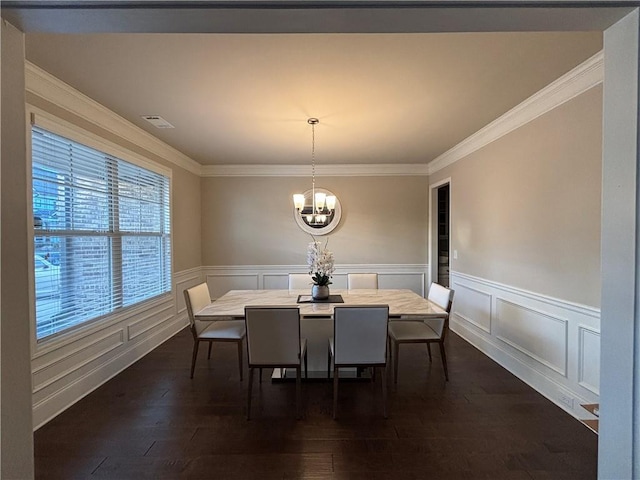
102, 233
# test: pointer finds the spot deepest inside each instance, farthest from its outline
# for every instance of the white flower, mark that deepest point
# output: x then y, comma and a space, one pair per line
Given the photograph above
320, 262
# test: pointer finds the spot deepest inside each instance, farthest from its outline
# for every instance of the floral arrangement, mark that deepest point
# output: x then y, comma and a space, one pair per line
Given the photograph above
320, 262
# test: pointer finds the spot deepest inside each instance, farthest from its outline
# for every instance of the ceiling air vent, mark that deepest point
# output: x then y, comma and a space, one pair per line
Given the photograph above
157, 121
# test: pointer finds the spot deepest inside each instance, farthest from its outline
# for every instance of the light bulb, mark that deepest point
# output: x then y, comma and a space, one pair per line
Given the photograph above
298, 201
320, 199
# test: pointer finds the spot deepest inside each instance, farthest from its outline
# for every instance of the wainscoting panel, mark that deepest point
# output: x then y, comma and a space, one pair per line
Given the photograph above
68, 368
221, 283
472, 305
589, 368
57, 368
221, 279
551, 344
150, 321
407, 281
538, 335
276, 281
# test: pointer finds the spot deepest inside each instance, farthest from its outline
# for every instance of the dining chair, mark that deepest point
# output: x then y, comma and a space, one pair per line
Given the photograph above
299, 281
359, 281
427, 330
362, 281
273, 340
359, 340
196, 298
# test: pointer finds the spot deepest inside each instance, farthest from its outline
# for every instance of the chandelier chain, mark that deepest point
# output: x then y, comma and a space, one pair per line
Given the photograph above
313, 154
322, 205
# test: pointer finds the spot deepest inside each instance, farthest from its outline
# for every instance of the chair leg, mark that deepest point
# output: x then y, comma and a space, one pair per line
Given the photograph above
306, 369
260, 374
194, 356
429, 351
396, 348
335, 390
384, 391
298, 389
444, 361
329, 361
249, 393
240, 358
209, 354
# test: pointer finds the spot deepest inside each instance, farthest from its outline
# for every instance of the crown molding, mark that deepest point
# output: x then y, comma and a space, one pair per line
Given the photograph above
575, 82
43, 84
583, 77
353, 170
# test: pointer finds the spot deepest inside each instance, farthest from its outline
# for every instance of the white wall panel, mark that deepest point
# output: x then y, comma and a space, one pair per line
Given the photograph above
409, 281
221, 283
68, 361
339, 280
551, 344
541, 336
589, 358
472, 305
275, 281
150, 321
250, 277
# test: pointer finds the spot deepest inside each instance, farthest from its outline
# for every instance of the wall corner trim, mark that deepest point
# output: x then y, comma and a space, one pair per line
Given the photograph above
573, 83
43, 84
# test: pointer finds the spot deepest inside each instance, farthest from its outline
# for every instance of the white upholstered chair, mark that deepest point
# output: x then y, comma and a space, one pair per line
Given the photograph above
299, 281
196, 298
428, 330
360, 281
359, 340
273, 340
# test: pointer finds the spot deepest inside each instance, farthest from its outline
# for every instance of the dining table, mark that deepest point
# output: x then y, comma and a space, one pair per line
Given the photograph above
316, 316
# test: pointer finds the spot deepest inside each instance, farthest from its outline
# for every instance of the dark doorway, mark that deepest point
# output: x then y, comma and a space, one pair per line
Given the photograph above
443, 235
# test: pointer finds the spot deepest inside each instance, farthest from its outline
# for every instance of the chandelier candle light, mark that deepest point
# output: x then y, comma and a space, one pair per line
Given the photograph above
322, 205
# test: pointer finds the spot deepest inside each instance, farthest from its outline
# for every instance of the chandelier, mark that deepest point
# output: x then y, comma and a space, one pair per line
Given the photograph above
320, 211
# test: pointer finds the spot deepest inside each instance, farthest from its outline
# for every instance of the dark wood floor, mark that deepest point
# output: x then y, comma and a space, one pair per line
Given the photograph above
152, 421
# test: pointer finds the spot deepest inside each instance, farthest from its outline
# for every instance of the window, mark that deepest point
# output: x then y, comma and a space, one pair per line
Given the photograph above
102, 233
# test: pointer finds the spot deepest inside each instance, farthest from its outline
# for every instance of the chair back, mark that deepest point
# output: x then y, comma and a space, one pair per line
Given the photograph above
273, 335
359, 281
360, 334
196, 298
441, 296
299, 281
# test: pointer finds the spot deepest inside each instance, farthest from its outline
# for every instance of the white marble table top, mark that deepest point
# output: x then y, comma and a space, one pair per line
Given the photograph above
403, 303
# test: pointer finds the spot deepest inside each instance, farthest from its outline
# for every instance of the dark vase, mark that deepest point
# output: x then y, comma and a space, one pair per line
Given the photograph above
320, 292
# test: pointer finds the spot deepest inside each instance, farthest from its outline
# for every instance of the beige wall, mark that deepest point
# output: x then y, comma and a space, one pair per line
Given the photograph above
186, 189
526, 209
249, 220
186, 220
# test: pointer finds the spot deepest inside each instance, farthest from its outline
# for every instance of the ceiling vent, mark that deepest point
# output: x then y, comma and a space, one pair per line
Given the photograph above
157, 121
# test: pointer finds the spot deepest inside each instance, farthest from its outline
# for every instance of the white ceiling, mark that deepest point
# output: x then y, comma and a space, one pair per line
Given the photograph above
244, 98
